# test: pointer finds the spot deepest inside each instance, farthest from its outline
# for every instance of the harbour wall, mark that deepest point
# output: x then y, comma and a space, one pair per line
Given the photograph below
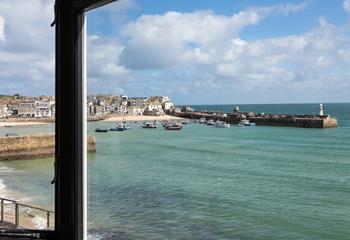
303, 121
33, 146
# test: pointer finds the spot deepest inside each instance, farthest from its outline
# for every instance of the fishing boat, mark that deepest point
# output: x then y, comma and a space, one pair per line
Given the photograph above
116, 129
246, 123
220, 124
202, 120
210, 122
100, 130
120, 127
149, 125
174, 126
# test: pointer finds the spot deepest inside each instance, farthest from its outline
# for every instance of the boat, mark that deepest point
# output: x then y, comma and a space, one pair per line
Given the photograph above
246, 123
100, 130
120, 127
11, 134
164, 123
195, 120
220, 124
202, 120
116, 129
210, 122
174, 126
184, 122
149, 125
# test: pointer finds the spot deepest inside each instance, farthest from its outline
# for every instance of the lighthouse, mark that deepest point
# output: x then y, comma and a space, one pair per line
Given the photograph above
321, 109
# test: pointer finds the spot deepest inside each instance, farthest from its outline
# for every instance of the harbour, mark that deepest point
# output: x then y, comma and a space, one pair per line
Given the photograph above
320, 120
222, 183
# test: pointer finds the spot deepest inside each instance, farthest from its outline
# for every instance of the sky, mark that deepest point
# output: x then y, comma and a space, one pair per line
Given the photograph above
196, 52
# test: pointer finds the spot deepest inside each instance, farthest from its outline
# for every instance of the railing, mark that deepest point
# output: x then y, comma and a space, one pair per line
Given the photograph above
11, 212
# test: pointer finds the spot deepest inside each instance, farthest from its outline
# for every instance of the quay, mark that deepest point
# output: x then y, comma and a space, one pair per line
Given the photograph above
263, 119
33, 146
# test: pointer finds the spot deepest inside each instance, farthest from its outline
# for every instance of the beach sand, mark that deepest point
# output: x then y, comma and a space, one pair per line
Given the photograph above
13, 124
130, 118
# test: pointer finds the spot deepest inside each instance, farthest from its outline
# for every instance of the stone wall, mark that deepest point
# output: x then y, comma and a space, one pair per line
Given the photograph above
303, 121
32, 146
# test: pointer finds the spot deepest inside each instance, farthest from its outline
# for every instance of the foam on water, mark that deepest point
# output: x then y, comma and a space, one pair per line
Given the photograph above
39, 222
4, 192
94, 236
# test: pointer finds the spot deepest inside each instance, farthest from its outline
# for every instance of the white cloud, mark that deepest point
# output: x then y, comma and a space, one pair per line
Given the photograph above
346, 5
158, 41
210, 46
173, 38
27, 55
103, 64
187, 54
2, 29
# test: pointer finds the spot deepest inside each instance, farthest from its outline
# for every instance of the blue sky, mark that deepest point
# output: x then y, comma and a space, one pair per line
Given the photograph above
197, 52
274, 26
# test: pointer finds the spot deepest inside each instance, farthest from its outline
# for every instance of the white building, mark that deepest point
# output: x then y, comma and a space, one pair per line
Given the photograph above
154, 106
3, 111
122, 109
167, 105
42, 109
135, 110
164, 99
26, 109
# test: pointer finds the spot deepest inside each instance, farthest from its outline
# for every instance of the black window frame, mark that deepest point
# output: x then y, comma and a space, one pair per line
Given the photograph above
70, 182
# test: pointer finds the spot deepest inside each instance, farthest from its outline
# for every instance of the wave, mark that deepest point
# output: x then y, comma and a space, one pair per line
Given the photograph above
39, 222
5, 192
94, 236
103, 234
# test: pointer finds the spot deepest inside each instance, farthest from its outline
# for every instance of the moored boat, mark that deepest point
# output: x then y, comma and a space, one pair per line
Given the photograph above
210, 122
116, 129
246, 123
175, 126
220, 124
101, 130
149, 125
202, 120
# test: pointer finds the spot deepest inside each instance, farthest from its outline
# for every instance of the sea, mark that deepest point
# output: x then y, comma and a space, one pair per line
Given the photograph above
247, 183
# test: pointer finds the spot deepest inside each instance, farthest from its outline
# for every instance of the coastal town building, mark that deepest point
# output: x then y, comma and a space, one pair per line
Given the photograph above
157, 106
122, 109
12, 109
26, 109
97, 105
3, 111
135, 110
43, 109
167, 105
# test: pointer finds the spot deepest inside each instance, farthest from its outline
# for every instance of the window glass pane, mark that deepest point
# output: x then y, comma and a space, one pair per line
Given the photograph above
279, 170
27, 114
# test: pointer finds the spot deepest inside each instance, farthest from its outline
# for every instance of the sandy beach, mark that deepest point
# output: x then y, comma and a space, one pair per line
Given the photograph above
13, 124
130, 118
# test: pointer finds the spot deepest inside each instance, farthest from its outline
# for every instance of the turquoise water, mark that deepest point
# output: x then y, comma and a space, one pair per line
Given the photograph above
209, 183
